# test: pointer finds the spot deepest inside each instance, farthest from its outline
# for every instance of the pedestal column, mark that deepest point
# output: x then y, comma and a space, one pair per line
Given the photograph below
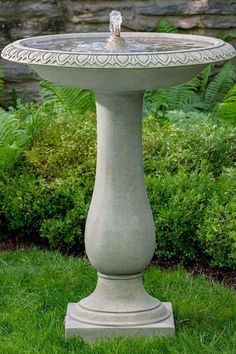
120, 235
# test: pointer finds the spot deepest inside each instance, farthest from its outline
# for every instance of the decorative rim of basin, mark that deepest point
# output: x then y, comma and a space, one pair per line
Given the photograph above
217, 50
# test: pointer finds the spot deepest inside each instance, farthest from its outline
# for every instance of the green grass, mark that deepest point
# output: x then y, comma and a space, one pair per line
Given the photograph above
35, 287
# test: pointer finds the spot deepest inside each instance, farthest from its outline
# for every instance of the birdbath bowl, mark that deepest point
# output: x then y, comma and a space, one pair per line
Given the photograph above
120, 233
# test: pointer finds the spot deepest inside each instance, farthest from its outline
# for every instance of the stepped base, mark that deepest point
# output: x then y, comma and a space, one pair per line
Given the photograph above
91, 333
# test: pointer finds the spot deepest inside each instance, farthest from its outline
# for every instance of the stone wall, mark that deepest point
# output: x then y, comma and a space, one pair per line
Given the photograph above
26, 18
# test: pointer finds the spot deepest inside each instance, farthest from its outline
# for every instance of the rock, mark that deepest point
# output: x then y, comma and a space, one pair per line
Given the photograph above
4, 39
21, 10
178, 7
14, 72
220, 7
26, 90
219, 21
35, 27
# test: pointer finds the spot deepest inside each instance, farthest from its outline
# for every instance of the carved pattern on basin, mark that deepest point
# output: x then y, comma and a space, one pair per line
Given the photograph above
216, 51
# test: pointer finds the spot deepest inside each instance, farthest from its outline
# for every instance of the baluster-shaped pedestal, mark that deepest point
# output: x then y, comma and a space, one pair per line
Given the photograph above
119, 236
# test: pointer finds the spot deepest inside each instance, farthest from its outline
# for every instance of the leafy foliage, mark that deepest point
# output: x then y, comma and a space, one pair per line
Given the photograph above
165, 26
199, 145
54, 187
227, 109
217, 233
18, 129
1, 80
202, 94
177, 203
50, 192
220, 85
11, 140
56, 209
67, 98
204, 79
158, 102
186, 167
229, 36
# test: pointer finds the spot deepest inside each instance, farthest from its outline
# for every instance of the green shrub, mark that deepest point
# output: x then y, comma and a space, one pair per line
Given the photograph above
1, 81
49, 191
178, 202
22, 203
19, 128
68, 230
67, 144
196, 145
56, 210
227, 109
217, 232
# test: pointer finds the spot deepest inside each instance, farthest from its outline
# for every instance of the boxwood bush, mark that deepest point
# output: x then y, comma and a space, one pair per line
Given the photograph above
189, 177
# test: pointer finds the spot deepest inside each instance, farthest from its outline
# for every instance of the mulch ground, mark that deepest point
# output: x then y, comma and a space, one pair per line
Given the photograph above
221, 275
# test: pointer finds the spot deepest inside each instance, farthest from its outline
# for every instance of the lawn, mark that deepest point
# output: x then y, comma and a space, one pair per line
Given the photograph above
37, 285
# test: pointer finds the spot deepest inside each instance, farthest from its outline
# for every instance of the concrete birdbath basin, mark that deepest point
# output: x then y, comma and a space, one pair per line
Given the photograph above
120, 234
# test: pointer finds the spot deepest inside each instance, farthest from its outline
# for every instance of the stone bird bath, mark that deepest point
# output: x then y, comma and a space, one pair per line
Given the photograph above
120, 234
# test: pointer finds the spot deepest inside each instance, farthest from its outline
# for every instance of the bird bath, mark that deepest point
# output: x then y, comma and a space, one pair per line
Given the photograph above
120, 234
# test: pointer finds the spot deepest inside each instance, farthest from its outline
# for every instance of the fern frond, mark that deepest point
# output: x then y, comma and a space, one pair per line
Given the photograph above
16, 135
173, 98
165, 26
229, 36
8, 128
204, 79
231, 95
227, 109
220, 85
11, 139
1, 81
8, 156
68, 97
30, 127
52, 94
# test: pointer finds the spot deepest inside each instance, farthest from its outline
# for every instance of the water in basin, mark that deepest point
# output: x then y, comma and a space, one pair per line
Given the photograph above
93, 45
115, 42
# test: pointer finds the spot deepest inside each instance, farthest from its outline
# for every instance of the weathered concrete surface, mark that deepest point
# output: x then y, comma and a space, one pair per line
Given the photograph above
121, 221
91, 333
27, 18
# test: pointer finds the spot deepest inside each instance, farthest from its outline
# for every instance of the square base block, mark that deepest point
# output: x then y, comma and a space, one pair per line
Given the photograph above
91, 333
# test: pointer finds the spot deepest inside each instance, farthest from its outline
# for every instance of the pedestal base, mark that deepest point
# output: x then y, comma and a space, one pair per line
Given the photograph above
91, 333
